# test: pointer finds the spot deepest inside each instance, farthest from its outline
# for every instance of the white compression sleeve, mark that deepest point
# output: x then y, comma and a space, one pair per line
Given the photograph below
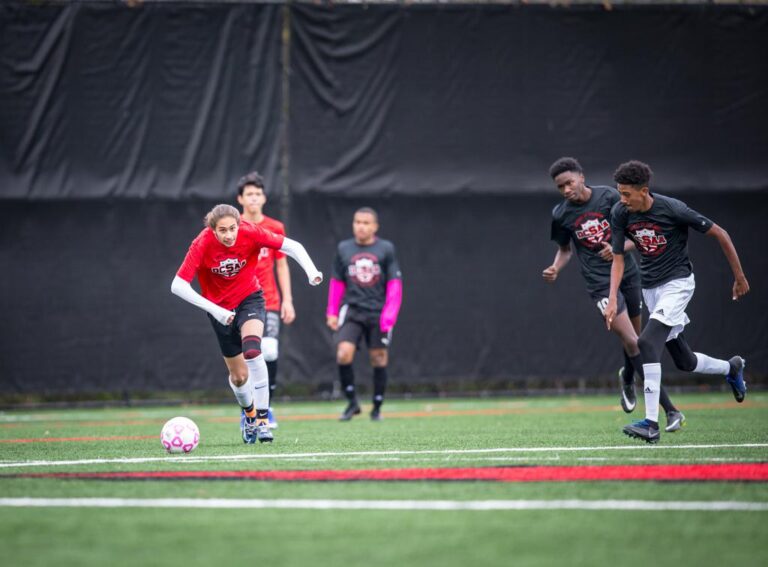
182, 288
296, 251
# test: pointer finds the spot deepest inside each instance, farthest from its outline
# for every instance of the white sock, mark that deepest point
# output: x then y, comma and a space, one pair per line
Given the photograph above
258, 380
708, 365
244, 393
652, 373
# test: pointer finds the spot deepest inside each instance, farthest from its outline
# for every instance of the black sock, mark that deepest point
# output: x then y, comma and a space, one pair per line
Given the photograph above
637, 364
262, 415
665, 402
379, 385
272, 371
347, 377
629, 369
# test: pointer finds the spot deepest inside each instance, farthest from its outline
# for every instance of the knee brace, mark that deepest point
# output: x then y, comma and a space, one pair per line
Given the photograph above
269, 346
251, 347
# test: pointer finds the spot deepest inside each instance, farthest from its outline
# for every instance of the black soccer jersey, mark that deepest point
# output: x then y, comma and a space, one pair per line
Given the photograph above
366, 270
588, 226
661, 236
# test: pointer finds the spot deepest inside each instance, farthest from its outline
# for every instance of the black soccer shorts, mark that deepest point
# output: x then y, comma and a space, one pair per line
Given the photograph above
230, 340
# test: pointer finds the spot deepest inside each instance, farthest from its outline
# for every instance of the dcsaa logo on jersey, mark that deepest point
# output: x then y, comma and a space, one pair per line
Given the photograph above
364, 269
229, 268
592, 229
648, 237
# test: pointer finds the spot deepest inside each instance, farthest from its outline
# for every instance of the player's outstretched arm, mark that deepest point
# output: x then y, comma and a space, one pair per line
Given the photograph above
182, 288
287, 312
740, 284
296, 251
562, 257
617, 272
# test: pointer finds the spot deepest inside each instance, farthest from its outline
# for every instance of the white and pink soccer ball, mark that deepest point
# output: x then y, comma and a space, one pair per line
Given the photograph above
180, 435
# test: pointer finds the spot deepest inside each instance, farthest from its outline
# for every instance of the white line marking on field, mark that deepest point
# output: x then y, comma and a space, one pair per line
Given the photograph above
437, 505
251, 456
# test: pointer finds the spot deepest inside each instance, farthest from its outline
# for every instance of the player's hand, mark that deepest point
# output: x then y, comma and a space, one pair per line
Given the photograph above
226, 317
316, 279
607, 252
333, 322
550, 274
287, 312
740, 287
610, 312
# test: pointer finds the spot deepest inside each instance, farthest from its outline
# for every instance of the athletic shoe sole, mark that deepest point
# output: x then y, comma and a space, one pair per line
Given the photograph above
629, 432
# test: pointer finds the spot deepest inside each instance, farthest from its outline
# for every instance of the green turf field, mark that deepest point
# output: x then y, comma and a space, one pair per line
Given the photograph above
401, 523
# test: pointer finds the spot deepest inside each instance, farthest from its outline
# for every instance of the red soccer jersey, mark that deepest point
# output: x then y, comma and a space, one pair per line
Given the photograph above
227, 275
265, 269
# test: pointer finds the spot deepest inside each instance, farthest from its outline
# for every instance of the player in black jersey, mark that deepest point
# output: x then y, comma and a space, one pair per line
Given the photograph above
582, 218
658, 225
366, 274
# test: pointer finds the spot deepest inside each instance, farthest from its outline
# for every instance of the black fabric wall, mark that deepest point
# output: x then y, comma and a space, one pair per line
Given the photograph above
120, 128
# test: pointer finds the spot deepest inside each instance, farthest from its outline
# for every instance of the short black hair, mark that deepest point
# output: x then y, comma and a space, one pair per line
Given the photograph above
634, 173
253, 178
369, 211
565, 164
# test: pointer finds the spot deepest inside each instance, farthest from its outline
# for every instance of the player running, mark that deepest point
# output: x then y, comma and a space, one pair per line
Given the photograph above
367, 275
658, 225
583, 218
224, 257
252, 197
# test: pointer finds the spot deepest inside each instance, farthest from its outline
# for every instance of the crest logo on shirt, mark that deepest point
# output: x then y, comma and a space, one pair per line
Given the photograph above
648, 237
364, 269
229, 268
592, 229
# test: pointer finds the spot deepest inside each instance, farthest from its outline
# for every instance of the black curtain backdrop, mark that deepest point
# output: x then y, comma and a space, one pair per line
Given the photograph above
120, 128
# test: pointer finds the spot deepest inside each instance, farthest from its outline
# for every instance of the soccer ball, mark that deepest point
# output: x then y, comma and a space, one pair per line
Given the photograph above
180, 435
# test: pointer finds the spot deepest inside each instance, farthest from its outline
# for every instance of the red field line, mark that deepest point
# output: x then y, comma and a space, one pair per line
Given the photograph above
753, 472
66, 439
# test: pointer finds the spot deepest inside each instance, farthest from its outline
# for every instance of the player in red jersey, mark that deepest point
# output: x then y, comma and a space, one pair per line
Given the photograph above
224, 258
252, 197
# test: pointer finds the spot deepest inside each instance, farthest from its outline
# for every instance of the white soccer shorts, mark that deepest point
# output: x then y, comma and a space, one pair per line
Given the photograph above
666, 303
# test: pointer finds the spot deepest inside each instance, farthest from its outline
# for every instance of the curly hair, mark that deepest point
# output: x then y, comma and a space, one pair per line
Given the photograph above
634, 173
253, 178
565, 164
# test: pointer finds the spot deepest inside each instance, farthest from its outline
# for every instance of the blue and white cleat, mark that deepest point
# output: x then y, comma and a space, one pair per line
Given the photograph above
644, 430
250, 432
735, 378
271, 418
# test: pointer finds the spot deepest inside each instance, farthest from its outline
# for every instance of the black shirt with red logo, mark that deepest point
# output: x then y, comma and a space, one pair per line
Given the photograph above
661, 236
366, 270
588, 226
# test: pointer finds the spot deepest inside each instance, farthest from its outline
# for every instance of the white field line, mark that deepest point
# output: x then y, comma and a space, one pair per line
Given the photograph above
285, 456
432, 505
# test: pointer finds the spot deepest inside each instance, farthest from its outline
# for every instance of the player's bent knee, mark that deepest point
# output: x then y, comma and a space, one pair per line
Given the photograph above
238, 380
269, 348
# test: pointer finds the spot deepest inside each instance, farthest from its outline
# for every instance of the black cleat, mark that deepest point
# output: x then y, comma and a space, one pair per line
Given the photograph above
628, 398
644, 430
735, 378
351, 411
376, 414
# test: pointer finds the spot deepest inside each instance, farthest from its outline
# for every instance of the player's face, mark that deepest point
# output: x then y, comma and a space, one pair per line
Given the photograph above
252, 200
364, 227
226, 231
571, 186
633, 197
